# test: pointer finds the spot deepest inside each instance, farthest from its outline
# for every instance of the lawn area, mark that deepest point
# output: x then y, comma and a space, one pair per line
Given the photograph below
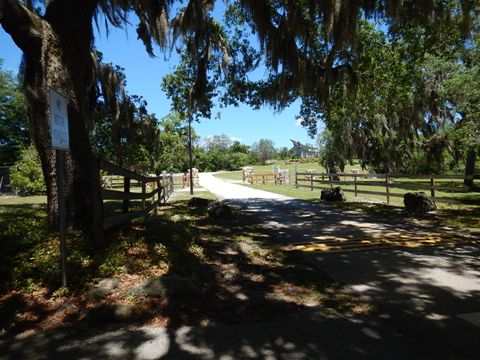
267, 169
230, 275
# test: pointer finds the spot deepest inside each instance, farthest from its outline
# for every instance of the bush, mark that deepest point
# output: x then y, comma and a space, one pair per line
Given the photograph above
26, 175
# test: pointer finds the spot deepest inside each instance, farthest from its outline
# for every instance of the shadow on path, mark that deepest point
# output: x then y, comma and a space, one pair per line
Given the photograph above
294, 222
305, 336
422, 290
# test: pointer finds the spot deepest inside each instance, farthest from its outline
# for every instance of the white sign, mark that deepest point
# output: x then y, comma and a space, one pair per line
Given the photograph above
59, 120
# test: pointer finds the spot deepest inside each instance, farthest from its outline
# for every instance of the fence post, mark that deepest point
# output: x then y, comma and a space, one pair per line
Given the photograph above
98, 202
432, 184
296, 179
355, 183
388, 188
144, 191
155, 188
311, 182
126, 190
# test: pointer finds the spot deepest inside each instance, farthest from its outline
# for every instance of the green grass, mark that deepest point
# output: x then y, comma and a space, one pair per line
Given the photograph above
184, 196
469, 198
267, 169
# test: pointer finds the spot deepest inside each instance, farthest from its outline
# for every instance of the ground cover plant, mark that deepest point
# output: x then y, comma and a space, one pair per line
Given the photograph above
226, 269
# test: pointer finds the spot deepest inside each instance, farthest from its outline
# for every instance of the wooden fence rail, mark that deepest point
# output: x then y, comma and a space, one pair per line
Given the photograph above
388, 181
264, 178
161, 188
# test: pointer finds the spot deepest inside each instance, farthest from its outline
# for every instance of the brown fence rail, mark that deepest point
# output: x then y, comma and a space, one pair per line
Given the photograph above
264, 178
319, 181
161, 187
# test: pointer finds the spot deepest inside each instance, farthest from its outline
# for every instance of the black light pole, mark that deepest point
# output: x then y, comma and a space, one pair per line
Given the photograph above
190, 160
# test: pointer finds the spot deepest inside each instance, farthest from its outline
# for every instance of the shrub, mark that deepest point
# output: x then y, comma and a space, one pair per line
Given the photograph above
26, 175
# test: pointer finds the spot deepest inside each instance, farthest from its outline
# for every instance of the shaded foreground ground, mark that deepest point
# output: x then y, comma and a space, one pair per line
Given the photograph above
237, 282
261, 302
308, 335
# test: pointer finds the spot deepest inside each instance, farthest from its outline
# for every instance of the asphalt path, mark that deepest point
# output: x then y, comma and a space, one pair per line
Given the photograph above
432, 293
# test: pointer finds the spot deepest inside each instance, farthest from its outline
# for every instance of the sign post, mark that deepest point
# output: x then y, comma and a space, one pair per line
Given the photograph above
60, 142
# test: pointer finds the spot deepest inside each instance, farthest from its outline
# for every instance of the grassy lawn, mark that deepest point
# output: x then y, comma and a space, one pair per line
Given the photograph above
470, 198
267, 169
237, 277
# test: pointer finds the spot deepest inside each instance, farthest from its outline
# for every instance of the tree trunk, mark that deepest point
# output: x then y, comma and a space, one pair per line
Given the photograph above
470, 167
57, 54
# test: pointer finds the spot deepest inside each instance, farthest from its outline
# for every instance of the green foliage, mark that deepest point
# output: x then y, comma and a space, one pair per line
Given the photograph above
331, 157
227, 159
285, 153
407, 106
263, 150
173, 140
14, 134
26, 175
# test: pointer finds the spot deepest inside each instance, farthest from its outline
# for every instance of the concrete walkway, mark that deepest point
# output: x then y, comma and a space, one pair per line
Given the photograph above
226, 190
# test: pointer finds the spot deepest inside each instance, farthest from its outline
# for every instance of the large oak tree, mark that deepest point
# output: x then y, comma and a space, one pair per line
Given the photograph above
56, 38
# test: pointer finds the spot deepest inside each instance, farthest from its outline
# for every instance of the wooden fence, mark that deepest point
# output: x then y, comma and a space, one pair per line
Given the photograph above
389, 182
264, 178
161, 187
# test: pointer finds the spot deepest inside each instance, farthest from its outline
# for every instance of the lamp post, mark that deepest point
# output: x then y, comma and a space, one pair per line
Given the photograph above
190, 161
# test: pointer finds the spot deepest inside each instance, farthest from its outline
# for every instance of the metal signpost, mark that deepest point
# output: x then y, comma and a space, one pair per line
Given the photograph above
60, 142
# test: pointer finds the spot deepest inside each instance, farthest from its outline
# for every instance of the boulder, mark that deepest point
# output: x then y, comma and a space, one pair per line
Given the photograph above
167, 285
334, 194
219, 210
112, 313
102, 289
418, 202
198, 202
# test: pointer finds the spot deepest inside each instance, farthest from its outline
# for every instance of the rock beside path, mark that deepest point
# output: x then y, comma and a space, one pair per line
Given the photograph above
418, 202
102, 289
198, 202
333, 195
219, 210
112, 313
163, 286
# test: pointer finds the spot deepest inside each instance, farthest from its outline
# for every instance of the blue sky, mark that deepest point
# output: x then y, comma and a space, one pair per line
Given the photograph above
144, 76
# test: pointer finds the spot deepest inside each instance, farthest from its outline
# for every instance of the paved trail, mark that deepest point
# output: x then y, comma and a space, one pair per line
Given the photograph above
432, 293
317, 227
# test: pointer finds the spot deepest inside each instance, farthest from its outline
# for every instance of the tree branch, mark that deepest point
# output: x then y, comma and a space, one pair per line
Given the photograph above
23, 26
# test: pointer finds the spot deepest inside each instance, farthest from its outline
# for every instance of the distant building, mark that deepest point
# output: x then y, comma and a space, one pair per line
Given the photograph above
304, 151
